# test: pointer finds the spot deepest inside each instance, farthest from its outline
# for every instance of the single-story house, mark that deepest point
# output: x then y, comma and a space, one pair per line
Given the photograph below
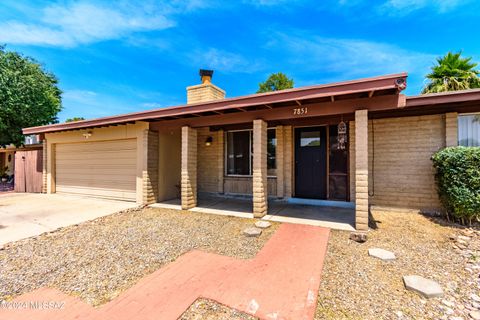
361, 142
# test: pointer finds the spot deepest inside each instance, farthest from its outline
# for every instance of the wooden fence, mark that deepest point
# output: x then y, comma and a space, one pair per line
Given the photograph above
28, 171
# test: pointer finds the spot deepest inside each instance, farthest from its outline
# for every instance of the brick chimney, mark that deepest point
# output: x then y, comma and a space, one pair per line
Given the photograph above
206, 91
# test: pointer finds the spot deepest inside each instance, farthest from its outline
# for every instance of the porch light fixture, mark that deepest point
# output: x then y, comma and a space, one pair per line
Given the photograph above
87, 134
209, 141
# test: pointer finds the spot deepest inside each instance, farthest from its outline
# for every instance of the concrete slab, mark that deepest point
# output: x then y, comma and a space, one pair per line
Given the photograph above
252, 232
381, 254
24, 215
280, 211
262, 224
425, 287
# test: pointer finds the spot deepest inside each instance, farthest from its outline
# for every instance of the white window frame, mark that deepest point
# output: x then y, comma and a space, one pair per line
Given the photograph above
458, 123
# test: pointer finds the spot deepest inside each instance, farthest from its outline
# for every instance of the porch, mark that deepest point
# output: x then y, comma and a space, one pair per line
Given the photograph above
328, 215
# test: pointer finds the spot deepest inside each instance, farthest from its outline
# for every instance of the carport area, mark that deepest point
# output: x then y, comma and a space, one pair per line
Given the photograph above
24, 215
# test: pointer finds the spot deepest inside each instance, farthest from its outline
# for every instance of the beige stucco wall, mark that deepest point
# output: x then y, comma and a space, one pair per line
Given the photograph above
169, 164
400, 169
99, 134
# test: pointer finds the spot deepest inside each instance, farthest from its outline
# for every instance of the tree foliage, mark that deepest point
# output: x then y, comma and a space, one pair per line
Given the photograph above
451, 73
75, 119
458, 181
29, 96
275, 82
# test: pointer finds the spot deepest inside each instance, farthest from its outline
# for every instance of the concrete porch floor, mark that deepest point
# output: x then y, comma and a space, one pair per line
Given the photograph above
281, 211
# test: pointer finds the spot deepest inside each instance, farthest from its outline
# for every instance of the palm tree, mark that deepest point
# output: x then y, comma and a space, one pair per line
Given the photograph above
452, 72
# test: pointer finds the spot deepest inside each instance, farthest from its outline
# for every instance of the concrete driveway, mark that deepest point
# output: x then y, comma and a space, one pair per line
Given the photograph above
24, 215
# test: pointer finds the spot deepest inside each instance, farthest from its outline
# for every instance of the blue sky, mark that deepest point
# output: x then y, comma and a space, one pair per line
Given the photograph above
114, 57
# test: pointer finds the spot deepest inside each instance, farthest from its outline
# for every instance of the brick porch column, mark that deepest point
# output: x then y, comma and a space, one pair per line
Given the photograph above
361, 170
149, 166
451, 129
260, 192
189, 168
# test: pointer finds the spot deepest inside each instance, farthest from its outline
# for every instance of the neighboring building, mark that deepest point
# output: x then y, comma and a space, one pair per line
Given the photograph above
358, 141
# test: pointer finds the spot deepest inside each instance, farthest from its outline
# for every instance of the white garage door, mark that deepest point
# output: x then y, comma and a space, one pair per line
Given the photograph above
101, 169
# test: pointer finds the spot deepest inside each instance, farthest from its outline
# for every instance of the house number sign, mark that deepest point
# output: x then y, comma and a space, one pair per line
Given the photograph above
300, 111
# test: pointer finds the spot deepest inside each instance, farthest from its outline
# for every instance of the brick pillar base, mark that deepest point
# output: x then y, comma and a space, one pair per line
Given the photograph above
189, 168
260, 192
361, 170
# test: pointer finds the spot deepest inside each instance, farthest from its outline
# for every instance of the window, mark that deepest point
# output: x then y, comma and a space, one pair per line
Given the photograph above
239, 152
469, 130
310, 139
271, 153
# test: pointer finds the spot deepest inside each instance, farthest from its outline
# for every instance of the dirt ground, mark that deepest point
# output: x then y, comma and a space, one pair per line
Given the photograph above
356, 286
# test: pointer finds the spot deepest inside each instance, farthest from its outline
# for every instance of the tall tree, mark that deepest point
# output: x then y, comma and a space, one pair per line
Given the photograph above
452, 72
29, 96
275, 82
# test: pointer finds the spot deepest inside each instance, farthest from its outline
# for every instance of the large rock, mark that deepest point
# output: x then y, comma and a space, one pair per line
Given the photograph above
252, 232
425, 287
262, 224
385, 255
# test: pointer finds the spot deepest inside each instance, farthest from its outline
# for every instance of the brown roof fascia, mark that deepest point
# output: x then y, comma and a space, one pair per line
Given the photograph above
443, 98
311, 92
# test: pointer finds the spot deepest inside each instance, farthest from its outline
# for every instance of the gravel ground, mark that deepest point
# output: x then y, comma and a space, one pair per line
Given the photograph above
204, 309
356, 286
97, 260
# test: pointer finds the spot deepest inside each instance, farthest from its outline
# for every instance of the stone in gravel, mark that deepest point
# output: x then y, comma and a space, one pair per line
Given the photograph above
262, 224
382, 254
448, 303
252, 232
358, 236
455, 318
425, 287
474, 297
475, 305
463, 238
474, 315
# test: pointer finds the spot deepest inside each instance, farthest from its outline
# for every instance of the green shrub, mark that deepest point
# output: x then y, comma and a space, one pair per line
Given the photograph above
458, 181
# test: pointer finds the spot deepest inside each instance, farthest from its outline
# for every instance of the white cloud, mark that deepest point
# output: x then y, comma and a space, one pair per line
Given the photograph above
405, 7
336, 59
350, 57
85, 22
223, 61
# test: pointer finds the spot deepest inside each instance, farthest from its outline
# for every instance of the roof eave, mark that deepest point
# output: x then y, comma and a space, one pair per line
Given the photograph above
333, 89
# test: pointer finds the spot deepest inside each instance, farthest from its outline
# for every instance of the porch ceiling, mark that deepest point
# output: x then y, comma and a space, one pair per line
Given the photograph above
336, 98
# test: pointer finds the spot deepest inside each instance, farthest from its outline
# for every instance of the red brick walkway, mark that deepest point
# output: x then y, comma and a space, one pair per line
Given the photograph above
281, 282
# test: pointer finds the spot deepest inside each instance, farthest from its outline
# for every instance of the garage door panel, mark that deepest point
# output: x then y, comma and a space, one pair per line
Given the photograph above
128, 144
95, 162
100, 169
107, 155
99, 192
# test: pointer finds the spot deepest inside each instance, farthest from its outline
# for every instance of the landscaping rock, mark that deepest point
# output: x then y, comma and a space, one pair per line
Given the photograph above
475, 315
262, 224
252, 232
382, 254
358, 236
425, 287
